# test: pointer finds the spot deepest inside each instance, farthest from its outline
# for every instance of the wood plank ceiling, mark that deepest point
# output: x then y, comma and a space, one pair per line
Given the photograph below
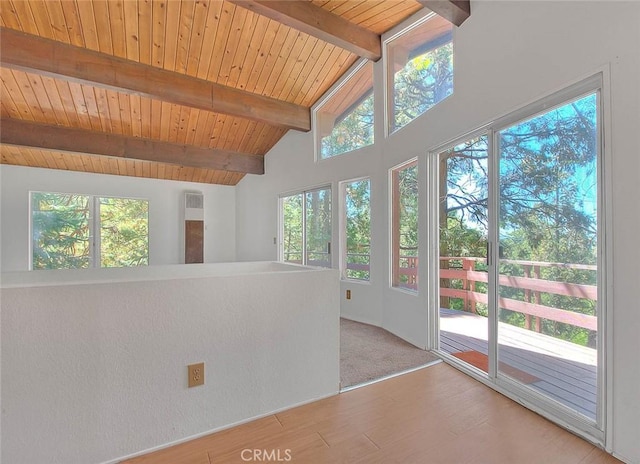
192, 90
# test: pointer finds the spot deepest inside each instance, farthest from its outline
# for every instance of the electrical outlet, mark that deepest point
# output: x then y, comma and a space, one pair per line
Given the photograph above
196, 374
348, 294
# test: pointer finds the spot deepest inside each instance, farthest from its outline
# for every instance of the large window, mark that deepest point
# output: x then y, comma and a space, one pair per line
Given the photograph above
81, 231
344, 121
356, 229
420, 70
404, 224
306, 228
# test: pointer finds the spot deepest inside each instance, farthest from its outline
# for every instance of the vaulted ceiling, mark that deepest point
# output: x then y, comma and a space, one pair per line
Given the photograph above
193, 90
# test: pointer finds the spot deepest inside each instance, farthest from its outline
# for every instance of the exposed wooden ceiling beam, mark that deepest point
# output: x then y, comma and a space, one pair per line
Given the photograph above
454, 11
36, 54
36, 135
319, 23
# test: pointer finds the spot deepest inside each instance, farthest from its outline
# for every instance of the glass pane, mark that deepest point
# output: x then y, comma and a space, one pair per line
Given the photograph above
61, 231
405, 227
463, 225
549, 245
318, 228
124, 232
421, 70
358, 233
345, 122
292, 229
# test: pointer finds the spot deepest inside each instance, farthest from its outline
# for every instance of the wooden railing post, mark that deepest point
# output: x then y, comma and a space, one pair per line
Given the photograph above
468, 284
445, 301
411, 264
443, 222
527, 297
530, 283
536, 298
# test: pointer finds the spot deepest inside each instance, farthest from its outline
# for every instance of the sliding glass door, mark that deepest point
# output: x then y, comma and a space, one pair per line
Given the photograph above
463, 227
548, 238
519, 282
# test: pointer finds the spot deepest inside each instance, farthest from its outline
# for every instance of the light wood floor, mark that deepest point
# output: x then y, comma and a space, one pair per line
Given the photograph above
434, 415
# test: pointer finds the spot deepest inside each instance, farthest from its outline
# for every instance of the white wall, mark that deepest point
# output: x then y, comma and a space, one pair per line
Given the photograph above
96, 369
166, 234
506, 55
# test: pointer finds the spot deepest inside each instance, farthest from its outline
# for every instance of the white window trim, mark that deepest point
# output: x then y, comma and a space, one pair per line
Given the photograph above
405, 27
417, 20
94, 225
390, 192
280, 235
335, 88
343, 229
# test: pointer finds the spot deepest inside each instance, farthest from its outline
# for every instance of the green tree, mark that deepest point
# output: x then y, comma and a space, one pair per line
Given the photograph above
60, 231
352, 131
318, 227
547, 198
315, 207
292, 228
425, 80
64, 231
405, 225
124, 232
463, 213
408, 191
358, 227
548, 205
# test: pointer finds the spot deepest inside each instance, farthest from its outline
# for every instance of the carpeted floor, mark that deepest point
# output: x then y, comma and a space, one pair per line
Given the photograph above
368, 353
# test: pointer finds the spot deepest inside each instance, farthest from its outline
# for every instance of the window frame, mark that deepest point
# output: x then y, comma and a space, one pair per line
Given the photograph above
406, 27
281, 223
315, 109
343, 230
94, 224
394, 219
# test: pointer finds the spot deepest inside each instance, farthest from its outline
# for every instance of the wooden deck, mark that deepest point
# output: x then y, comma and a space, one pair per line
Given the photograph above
566, 372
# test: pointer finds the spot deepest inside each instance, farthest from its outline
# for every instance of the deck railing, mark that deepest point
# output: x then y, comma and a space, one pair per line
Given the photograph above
530, 283
314, 258
464, 270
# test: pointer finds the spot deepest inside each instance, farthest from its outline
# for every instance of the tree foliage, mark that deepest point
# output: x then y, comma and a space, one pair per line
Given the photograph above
318, 227
292, 228
358, 227
405, 225
124, 232
309, 212
64, 230
354, 130
548, 191
408, 202
60, 231
424, 81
